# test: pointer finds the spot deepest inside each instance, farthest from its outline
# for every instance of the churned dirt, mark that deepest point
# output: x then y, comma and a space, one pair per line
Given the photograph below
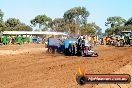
29, 66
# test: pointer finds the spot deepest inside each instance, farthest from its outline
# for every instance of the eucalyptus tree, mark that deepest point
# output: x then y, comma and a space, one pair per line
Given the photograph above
42, 21
76, 18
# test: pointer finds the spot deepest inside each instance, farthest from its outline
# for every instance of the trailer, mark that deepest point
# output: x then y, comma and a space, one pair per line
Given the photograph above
55, 45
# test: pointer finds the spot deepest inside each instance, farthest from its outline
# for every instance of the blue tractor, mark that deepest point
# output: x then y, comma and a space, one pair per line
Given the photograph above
69, 47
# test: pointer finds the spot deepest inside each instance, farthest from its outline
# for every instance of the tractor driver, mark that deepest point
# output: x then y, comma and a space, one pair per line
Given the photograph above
81, 42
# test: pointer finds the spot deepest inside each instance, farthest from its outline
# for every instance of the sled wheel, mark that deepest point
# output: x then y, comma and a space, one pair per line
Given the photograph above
96, 54
82, 54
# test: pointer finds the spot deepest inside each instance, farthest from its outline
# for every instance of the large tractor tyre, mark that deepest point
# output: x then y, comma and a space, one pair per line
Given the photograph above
70, 50
51, 50
74, 52
121, 43
130, 42
75, 49
66, 52
78, 50
81, 80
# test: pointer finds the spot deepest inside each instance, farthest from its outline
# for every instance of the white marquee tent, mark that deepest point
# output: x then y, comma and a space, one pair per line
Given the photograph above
32, 33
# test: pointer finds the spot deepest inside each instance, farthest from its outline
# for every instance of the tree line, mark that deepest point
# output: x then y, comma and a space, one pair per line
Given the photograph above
74, 21
117, 24
12, 24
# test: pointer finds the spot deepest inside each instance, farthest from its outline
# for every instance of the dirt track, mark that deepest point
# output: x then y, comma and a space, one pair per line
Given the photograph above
33, 68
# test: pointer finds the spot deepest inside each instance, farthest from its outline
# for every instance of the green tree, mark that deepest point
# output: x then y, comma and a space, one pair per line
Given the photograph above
115, 21
33, 22
114, 24
129, 22
97, 28
110, 31
59, 25
118, 30
42, 21
2, 24
76, 16
12, 22
22, 27
1, 15
88, 29
3, 27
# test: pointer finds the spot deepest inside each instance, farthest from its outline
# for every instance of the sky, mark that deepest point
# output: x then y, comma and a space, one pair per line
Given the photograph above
100, 10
